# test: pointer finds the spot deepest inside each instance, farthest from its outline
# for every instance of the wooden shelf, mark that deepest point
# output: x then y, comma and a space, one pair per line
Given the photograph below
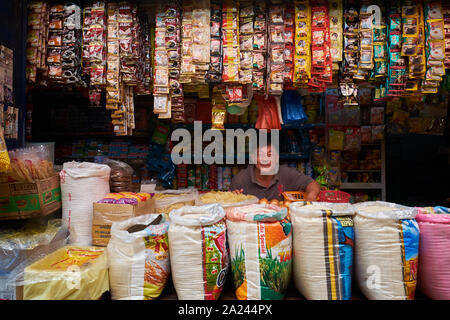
361, 185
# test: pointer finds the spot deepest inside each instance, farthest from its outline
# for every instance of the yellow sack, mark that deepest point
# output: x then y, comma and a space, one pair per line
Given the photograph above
5, 162
70, 273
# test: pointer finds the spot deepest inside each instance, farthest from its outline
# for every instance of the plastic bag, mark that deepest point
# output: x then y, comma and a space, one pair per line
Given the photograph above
198, 251
323, 238
138, 256
70, 273
121, 175
386, 250
292, 108
260, 240
5, 162
268, 117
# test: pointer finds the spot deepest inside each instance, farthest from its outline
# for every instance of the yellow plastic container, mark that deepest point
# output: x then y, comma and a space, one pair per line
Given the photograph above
70, 273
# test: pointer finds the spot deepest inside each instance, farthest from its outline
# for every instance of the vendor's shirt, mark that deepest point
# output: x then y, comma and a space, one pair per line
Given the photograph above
287, 179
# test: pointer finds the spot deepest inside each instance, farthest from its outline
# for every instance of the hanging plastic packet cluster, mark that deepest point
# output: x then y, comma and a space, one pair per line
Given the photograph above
446, 15
276, 63
215, 67
365, 62
259, 46
64, 44
113, 61
336, 35
321, 60
166, 82
380, 50
289, 45
94, 49
246, 34
196, 38
230, 41
38, 15
143, 87
414, 48
302, 58
435, 46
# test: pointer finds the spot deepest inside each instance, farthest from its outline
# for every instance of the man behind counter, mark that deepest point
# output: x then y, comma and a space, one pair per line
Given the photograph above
252, 181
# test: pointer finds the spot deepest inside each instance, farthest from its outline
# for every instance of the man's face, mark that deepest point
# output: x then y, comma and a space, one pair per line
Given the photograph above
267, 160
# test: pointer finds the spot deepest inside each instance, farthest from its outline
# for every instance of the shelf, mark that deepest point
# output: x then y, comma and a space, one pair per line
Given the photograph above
361, 185
379, 170
249, 126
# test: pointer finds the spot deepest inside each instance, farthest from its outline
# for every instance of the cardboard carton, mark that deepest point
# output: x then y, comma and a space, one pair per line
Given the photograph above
105, 214
23, 200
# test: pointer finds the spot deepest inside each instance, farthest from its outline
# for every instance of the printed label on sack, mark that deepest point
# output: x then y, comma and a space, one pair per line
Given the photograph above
275, 253
410, 254
215, 259
157, 265
345, 237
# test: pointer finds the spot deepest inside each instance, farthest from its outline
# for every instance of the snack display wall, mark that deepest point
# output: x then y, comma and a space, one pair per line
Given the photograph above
198, 251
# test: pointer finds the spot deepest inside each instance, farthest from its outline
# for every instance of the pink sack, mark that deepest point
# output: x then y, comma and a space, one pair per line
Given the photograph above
434, 255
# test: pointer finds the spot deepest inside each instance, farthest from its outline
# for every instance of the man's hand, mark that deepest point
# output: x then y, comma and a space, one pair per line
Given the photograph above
312, 191
238, 191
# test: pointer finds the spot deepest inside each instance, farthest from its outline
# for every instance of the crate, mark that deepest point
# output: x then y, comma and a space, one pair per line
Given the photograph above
294, 196
334, 196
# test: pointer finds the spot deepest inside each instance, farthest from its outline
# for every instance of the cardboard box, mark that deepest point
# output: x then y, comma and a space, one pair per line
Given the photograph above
23, 200
105, 214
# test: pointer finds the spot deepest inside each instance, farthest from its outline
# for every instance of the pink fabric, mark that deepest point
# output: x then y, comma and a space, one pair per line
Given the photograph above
434, 255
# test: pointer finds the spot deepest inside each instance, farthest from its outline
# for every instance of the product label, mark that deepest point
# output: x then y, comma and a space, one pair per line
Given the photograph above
51, 196
157, 264
28, 202
275, 254
345, 237
409, 236
215, 259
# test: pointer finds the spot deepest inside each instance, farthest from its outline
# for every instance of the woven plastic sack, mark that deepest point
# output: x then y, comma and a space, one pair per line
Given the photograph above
323, 238
168, 200
198, 252
138, 258
82, 184
70, 273
250, 199
386, 250
434, 252
260, 240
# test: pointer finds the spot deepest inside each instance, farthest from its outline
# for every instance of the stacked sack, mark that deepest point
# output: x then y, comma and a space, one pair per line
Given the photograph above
198, 252
434, 258
260, 240
386, 250
323, 238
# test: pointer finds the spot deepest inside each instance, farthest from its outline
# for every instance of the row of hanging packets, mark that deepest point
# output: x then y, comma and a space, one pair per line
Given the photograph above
289, 47
38, 16
336, 35
259, 46
435, 46
365, 62
215, 67
64, 44
276, 63
446, 14
347, 87
302, 58
414, 48
380, 51
246, 34
321, 61
230, 41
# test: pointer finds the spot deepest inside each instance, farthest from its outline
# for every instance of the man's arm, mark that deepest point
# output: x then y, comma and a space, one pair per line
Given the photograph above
312, 191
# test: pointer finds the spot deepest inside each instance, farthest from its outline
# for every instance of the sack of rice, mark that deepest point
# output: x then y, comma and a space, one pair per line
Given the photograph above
434, 252
227, 199
260, 242
138, 257
198, 252
323, 239
168, 200
82, 184
70, 273
386, 250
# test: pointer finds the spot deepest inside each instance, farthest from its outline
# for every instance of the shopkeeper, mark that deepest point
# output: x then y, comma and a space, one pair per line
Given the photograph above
252, 181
